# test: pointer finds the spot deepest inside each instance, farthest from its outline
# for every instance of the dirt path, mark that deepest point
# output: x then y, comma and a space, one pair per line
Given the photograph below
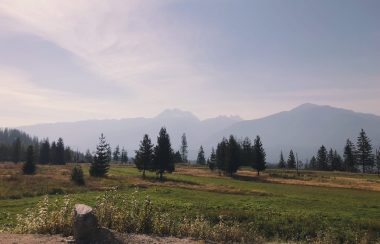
6, 238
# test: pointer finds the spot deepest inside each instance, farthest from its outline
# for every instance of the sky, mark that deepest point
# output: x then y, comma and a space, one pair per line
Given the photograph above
97, 59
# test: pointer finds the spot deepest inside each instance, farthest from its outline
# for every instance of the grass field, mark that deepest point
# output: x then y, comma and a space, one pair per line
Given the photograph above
278, 205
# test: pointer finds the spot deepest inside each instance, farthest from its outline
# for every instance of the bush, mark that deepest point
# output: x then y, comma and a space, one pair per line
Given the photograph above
77, 175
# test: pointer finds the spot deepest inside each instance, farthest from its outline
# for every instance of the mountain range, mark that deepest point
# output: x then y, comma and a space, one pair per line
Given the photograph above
303, 129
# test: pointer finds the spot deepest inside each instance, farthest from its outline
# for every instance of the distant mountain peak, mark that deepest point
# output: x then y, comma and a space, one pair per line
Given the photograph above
176, 114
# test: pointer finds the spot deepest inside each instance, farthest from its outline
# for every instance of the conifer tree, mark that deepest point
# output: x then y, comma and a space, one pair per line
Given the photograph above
330, 159
116, 154
378, 161
77, 175
88, 157
60, 152
247, 152
349, 157
124, 156
221, 155
100, 165
282, 163
144, 156
184, 146
53, 153
201, 156
313, 163
177, 157
233, 156
364, 151
291, 160
322, 158
16, 150
29, 166
163, 154
45, 152
212, 160
259, 156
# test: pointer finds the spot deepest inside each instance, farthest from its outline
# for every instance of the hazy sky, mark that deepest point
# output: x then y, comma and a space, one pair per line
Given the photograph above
74, 60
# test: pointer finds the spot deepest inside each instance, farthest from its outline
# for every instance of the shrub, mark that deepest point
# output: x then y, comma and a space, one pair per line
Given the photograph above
77, 175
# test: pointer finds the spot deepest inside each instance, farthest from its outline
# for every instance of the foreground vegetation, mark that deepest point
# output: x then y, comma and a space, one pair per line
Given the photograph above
278, 205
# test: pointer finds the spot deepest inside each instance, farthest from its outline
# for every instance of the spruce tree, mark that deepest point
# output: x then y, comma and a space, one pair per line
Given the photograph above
322, 162
349, 157
212, 160
100, 165
330, 160
291, 160
60, 152
282, 163
247, 152
29, 166
116, 154
163, 154
201, 156
378, 161
184, 146
233, 156
88, 157
259, 156
364, 151
16, 150
77, 175
144, 156
177, 157
124, 156
313, 163
45, 152
221, 155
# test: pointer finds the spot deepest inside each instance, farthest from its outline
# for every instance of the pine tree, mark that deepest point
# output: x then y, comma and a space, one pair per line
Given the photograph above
282, 163
221, 155
322, 159
313, 163
53, 153
29, 166
259, 156
291, 160
16, 150
233, 156
378, 161
184, 146
100, 165
60, 152
116, 153
144, 156
177, 157
77, 175
330, 160
201, 156
212, 160
88, 157
364, 151
163, 154
45, 152
247, 152
124, 156
349, 157
337, 162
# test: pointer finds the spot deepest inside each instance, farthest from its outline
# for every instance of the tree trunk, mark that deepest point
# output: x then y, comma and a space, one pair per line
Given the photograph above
258, 173
143, 173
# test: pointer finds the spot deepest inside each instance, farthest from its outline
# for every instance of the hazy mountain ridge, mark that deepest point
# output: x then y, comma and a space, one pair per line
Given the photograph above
303, 129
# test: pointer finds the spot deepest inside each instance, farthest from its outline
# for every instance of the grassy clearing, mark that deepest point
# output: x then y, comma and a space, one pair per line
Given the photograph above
272, 206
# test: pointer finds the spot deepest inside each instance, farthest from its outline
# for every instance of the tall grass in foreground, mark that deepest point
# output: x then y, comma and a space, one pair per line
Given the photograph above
135, 213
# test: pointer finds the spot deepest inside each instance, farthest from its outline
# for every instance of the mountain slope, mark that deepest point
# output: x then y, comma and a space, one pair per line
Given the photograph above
303, 129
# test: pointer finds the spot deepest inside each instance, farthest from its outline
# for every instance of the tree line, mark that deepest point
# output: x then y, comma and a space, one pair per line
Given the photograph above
359, 157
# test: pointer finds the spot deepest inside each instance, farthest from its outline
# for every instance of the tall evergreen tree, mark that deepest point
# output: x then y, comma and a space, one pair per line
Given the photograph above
68, 155
45, 152
184, 146
322, 162
212, 160
364, 151
330, 159
177, 157
124, 156
88, 157
233, 156
291, 160
16, 150
144, 156
221, 155
313, 163
378, 161
247, 152
349, 157
163, 154
60, 152
259, 156
281, 163
116, 154
100, 165
53, 153
201, 156
29, 166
